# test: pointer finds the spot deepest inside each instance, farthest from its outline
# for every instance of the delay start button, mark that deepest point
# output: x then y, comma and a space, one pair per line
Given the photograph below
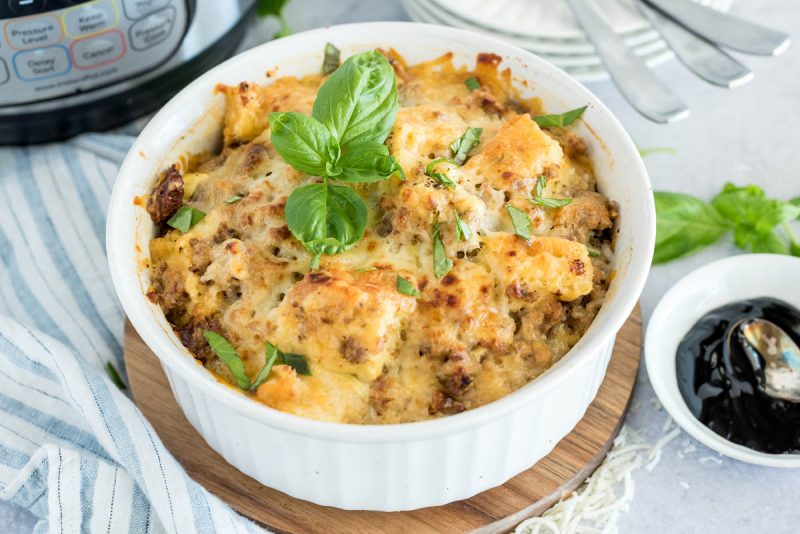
33, 32
98, 50
153, 29
42, 63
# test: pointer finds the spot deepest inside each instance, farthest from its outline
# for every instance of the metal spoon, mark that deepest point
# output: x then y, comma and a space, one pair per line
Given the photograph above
701, 56
637, 83
775, 356
724, 29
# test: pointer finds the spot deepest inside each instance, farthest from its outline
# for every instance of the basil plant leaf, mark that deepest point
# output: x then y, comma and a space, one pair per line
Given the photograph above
298, 362
753, 215
270, 355
303, 142
271, 7
463, 231
331, 61
551, 202
225, 352
368, 162
769, 242
521, 221
684, 224
185, 218
462, 146
327, 219
441, 263
358, 102
406, 288
564, 119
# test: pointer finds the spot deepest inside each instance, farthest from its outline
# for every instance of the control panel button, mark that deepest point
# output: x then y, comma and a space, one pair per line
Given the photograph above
88, 19
26, 7
98, 50
42, 63
4, 75
153, 29
136, 9
33, 32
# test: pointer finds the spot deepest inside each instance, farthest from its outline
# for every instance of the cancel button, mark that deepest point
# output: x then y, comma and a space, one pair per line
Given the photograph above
98, 50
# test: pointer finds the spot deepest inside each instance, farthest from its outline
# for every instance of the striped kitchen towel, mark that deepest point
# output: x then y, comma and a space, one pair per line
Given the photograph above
74, 450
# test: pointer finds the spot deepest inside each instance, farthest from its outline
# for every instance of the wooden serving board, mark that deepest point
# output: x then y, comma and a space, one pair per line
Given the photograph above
497, 510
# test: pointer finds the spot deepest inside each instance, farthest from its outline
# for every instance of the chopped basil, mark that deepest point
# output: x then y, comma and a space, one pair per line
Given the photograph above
332, 58
565, 119
472, 83
441, 263
114, 375
365, 269
551, 202
270, 355
463, 231
539, 200
406, 288
521, 221
185, 218
593, 252
231, 200
462, 146
298, 362
440, 177
225, 352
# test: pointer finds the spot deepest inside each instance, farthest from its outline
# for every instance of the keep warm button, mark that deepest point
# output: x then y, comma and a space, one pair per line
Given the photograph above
98, 50
42, 63
153, 29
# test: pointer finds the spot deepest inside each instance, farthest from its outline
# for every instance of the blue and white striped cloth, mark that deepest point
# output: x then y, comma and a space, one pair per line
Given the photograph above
74, 450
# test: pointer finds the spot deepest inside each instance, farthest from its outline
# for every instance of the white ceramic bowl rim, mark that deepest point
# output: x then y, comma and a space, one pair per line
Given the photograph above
683, 296
136, 305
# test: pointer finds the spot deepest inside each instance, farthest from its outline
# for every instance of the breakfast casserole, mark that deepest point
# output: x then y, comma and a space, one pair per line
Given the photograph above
484, 255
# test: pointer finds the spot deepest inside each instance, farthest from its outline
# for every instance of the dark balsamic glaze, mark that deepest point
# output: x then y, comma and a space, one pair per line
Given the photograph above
720, 387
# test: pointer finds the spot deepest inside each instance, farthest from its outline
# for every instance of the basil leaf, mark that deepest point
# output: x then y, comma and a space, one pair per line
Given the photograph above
462, 146
441, 263
593, 252
113, 374
521, 221
331, 61
406, 288
303, 142
644, 152
367, 269
794, 249
684, 224
472, 83
368, 162
551, 202
270, 355
564, 119
443, 179
185, 218
541, 183
233, 199
225, 352
795, 201
463, 231
358, 102
770, 243
298, 362
327, 219
271, 7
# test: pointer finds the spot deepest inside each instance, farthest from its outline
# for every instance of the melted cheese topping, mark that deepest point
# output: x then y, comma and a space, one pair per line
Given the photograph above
507, 310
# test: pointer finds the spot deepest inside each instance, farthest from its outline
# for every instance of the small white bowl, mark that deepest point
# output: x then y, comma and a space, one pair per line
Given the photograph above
381, 467
709, 287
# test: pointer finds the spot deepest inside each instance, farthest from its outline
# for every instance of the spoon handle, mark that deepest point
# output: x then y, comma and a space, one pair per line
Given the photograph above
638, 84
701, 56
724, 29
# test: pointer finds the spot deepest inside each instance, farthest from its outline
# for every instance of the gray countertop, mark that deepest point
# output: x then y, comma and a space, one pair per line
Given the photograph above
749, 135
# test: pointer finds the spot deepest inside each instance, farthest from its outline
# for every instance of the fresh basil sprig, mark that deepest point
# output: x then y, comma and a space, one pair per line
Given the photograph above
546, 202
270, 357
185, 218
521, 221
440, 177
343, 140
463, 231
560, 121
441, 263
685, 224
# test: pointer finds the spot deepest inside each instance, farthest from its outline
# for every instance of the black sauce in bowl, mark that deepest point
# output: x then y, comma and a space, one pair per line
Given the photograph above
720, 388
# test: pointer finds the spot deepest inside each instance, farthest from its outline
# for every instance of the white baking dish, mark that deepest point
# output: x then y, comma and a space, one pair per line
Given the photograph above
392, 467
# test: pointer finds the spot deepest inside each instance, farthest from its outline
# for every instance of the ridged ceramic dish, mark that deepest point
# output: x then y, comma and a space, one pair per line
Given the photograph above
394, 467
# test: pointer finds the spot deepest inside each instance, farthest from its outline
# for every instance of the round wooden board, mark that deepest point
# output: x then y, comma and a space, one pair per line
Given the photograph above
496, 510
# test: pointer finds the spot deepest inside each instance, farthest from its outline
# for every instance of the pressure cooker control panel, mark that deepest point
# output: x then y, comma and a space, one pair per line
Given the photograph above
53, 48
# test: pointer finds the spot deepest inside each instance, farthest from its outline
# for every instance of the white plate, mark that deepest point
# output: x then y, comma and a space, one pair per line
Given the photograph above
713, 285
551, 18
